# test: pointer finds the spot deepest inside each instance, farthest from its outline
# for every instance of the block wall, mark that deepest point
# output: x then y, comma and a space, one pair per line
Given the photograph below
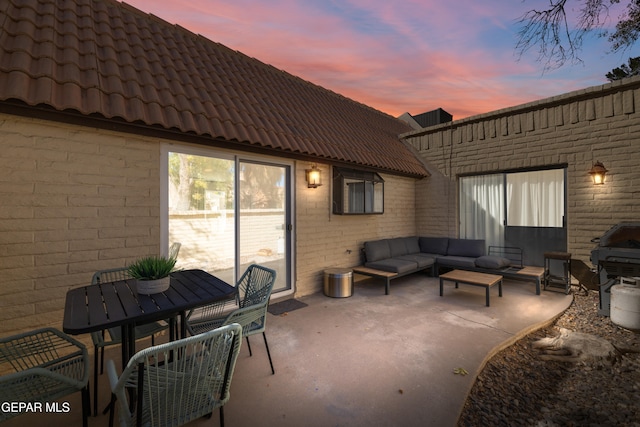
577, 129
73, 200
324, 240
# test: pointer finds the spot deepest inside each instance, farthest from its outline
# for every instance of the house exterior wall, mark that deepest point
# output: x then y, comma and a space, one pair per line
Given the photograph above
75, 199
324, 240
579, 128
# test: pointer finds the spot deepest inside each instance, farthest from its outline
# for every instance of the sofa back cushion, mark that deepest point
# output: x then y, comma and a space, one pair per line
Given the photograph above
412, 245
434, 245
377, 250
466, 247
397, 247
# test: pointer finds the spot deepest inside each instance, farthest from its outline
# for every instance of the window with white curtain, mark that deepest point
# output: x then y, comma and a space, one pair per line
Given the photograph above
488, 203
482, 208
536, 198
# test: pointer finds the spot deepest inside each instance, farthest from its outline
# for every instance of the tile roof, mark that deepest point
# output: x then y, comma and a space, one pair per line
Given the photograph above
109, 59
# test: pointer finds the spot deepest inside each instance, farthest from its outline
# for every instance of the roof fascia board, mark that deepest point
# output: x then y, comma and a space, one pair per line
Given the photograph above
74, 118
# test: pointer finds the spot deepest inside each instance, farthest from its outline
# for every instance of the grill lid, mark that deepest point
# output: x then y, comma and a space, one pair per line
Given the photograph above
618, 251
622, 235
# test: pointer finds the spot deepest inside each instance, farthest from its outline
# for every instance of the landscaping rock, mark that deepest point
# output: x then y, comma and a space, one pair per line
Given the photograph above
540, 392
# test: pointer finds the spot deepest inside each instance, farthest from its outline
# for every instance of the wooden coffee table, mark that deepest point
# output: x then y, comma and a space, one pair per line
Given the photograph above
472, 278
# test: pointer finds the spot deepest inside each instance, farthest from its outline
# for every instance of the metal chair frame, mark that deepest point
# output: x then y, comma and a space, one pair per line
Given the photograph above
252, 301
177, 382
42, 366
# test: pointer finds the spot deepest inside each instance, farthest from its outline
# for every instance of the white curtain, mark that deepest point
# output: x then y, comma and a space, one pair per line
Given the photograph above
535, 199
482, 208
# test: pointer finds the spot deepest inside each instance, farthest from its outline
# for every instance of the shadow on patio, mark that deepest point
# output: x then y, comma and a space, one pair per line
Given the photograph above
367, 360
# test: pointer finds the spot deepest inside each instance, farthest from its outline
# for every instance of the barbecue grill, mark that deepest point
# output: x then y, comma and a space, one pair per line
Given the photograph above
617, 255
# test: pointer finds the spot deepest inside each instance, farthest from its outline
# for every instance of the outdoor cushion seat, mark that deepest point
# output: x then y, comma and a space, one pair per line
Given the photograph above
457, 262
466, 248
412, 244
423, 261
377, 250
492, 261
394, 265
397, 247
434, 245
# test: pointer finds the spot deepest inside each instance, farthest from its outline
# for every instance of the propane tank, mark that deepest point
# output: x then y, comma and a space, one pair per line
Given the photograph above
625, 304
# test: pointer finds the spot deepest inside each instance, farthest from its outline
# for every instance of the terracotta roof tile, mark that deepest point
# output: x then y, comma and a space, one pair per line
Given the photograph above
110, 59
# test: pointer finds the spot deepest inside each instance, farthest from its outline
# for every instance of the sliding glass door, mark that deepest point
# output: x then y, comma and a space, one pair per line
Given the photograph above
522, 209
264, 221
482, 208
536, 209
227, 213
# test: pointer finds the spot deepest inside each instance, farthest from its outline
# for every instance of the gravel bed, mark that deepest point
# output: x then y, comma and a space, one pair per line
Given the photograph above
516, 388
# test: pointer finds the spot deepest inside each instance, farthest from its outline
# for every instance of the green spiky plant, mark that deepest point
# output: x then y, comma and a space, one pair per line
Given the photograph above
152, 268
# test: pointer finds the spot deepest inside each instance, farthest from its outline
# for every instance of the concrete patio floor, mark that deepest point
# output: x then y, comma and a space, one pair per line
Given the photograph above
370, 359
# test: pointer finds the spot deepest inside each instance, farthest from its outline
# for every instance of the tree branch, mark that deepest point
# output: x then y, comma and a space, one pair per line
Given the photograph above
549, 30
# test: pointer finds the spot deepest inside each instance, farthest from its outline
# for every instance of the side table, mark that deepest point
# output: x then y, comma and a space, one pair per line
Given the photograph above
558, 282
338, 282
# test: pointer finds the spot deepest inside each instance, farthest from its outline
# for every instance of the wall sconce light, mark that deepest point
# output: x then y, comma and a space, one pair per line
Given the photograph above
597, 172
313, 177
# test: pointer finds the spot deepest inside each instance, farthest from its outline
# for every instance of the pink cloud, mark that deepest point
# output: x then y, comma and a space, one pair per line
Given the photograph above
397, 57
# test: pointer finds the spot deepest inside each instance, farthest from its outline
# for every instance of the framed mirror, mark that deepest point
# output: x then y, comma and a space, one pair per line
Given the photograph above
357, 192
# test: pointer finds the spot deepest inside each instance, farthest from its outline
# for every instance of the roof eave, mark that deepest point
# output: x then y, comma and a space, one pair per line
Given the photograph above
46, 112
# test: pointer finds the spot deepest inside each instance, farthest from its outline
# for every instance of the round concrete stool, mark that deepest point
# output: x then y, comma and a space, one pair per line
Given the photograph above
338, 282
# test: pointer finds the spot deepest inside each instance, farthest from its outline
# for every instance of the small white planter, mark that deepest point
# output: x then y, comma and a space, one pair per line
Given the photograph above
148, 287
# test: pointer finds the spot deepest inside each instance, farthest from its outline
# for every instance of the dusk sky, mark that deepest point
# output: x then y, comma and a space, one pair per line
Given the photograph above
396, 56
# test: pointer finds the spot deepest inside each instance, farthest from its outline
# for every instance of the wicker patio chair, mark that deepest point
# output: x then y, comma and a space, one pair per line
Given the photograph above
174, 250
42, 366
174, 383
113, 336
254, 290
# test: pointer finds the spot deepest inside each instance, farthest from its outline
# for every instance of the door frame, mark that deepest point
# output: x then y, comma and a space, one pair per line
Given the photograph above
288, 213
237, 157
534, 241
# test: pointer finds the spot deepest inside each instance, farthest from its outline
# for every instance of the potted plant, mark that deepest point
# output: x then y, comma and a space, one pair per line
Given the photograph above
152, 274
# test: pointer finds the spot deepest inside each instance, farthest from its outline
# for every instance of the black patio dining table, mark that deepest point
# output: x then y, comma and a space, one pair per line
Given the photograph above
93, 308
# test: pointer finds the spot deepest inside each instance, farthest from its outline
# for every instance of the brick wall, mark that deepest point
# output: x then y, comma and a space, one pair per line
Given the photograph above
601, 123
325, 240
73, 200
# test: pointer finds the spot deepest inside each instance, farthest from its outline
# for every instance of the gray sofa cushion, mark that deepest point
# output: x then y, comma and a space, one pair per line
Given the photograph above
457, 261
413, 247
434, 245
490, 261
466, 248
422, 260
397, 247
377, 250
394, 265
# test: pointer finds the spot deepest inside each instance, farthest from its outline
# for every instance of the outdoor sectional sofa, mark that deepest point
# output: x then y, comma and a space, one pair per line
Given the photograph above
396, 257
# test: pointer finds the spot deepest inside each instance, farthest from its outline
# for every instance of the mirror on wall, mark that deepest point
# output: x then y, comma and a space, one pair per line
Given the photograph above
357, 192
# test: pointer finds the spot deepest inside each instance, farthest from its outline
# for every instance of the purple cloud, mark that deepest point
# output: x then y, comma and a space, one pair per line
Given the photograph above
410, 56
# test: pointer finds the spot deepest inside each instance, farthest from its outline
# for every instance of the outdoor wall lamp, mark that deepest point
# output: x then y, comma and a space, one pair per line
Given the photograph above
597, 172
313, 177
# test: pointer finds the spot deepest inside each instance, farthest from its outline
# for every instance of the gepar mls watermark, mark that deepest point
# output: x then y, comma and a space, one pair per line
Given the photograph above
35, 407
